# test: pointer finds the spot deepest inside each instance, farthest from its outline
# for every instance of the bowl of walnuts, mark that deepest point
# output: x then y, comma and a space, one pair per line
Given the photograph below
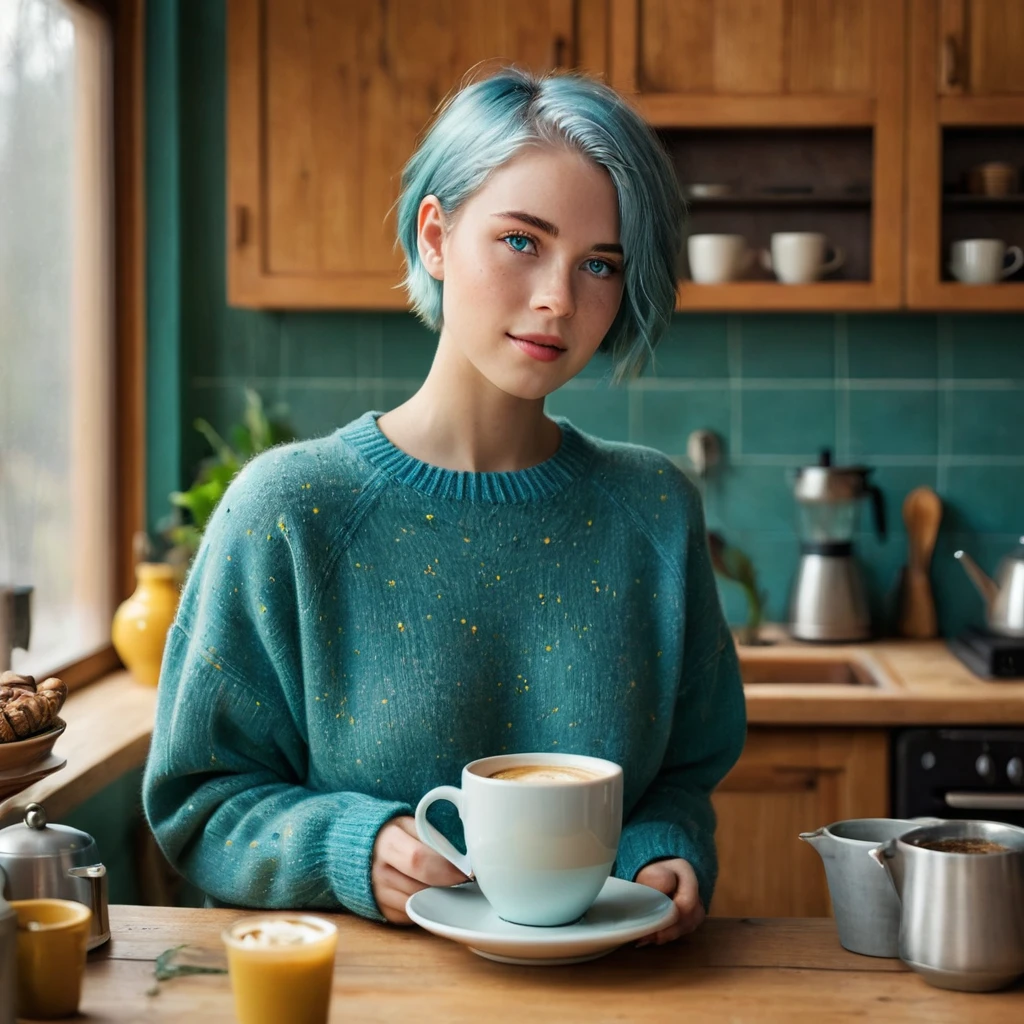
29, 721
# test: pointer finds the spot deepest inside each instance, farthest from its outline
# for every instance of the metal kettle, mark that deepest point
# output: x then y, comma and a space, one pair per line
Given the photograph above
961, 914
1004, 596
40, 860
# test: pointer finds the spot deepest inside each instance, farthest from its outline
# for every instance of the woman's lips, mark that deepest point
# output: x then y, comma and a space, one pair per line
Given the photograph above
544, 353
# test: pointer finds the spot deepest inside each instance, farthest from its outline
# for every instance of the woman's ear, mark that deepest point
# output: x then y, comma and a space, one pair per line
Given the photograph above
430, 236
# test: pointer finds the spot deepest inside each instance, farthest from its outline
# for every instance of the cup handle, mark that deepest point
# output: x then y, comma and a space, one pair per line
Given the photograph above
765, 257
748, 260
429, 835
1018, 260
838, 259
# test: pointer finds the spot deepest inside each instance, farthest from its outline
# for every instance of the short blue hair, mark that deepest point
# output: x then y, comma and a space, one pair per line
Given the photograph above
482, 126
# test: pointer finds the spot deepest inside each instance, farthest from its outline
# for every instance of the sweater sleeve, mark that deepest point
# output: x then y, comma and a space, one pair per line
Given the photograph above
225, 787
674, 817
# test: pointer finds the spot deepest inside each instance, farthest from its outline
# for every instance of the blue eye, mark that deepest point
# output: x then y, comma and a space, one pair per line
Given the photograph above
599, 268
518, 243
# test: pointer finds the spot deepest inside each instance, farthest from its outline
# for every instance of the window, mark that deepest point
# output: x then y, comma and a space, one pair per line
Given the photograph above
57, 351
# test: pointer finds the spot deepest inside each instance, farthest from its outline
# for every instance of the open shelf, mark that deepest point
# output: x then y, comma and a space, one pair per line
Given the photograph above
824, 296
982, 202
813, 199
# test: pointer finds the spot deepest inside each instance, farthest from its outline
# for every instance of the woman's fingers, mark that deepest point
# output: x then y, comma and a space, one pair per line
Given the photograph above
392, 879
404, 851
677, 879
659, 876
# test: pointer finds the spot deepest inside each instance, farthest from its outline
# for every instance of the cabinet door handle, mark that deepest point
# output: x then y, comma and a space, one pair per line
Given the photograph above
950, 63
986, 801
559, 51
241, 226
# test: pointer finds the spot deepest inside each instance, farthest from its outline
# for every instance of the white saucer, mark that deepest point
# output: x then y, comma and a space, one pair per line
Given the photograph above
623, 911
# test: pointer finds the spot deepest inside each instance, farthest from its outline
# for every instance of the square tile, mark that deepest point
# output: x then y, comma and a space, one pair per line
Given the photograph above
668, 417
986, 422
407, 346
326, 345
892, 345
696, 345
755, 498
315, 412
986, 499
895, 483
798, 423
603, 412
788, 345
890, 422
990, 346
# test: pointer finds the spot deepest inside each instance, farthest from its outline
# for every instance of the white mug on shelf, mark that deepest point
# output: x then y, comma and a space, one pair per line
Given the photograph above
715, 259
799, 257
983, 260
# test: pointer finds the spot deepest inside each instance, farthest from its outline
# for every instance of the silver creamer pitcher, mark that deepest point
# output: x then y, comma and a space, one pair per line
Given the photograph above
962, 916
866, 908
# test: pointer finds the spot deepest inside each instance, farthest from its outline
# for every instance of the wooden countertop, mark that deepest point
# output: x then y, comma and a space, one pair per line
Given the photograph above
919, 683
735, 970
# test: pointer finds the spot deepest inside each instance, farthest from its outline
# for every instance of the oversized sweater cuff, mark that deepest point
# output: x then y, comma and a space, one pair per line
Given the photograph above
350, 853
645, 841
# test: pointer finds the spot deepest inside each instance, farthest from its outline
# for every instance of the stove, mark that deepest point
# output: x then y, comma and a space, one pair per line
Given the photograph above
989, 655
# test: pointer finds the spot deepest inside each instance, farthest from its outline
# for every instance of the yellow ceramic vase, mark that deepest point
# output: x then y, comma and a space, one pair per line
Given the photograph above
139, 629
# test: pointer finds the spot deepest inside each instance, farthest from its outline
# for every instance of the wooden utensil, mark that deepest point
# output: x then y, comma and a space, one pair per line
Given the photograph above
922, 513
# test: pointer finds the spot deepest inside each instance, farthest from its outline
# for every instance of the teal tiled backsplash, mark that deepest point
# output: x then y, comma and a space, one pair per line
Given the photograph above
936, 400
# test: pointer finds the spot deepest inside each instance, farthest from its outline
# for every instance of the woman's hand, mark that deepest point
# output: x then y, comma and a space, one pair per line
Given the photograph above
676, 879
403, 865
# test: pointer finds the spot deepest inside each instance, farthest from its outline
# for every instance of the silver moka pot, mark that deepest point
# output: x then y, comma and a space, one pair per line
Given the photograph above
43, 861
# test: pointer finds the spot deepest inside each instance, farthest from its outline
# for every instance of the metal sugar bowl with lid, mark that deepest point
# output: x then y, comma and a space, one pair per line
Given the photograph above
40, 860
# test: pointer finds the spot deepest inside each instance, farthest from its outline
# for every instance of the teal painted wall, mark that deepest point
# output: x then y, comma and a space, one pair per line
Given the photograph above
935, 400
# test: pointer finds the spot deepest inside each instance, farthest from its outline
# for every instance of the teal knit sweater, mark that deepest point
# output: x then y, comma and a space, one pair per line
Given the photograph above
358, 625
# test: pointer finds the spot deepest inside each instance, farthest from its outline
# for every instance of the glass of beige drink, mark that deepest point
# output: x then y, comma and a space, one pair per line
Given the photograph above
281, 967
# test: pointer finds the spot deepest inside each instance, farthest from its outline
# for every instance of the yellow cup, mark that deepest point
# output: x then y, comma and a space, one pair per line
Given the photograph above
52, 936
281, 967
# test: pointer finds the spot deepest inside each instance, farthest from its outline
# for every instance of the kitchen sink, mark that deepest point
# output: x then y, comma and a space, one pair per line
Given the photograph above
833, 671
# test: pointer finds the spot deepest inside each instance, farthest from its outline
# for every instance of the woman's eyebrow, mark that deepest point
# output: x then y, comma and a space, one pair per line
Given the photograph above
550, 229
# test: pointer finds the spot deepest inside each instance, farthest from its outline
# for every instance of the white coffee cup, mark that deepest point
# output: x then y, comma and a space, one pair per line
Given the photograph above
715, 259
983, 260
799, 257
541, 851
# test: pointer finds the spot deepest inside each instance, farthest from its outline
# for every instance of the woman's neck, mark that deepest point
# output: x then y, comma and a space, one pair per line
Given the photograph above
459, 420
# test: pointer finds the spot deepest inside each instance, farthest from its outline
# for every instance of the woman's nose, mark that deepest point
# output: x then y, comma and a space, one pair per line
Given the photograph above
553, 294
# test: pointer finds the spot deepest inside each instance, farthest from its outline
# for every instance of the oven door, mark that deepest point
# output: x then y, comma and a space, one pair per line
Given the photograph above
959, 773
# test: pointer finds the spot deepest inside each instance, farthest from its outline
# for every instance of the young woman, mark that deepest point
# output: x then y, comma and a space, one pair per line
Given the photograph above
463, 575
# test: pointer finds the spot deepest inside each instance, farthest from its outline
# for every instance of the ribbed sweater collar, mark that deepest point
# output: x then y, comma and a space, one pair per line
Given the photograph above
532, 484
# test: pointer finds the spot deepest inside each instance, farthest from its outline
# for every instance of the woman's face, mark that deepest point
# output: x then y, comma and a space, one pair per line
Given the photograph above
532, 269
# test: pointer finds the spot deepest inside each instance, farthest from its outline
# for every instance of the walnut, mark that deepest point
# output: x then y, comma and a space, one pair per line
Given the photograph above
18, 682
25, 709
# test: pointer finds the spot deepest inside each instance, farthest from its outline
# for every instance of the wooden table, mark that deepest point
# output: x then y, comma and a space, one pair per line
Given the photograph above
731, 970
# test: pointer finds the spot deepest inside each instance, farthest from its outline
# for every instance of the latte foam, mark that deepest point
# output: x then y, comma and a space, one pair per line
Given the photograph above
275, 932
544, 773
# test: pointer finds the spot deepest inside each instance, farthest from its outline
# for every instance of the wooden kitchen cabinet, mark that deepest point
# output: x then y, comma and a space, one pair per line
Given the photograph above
790, 49
965, 107
809, 73
326, 99
789, 781
980, 44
